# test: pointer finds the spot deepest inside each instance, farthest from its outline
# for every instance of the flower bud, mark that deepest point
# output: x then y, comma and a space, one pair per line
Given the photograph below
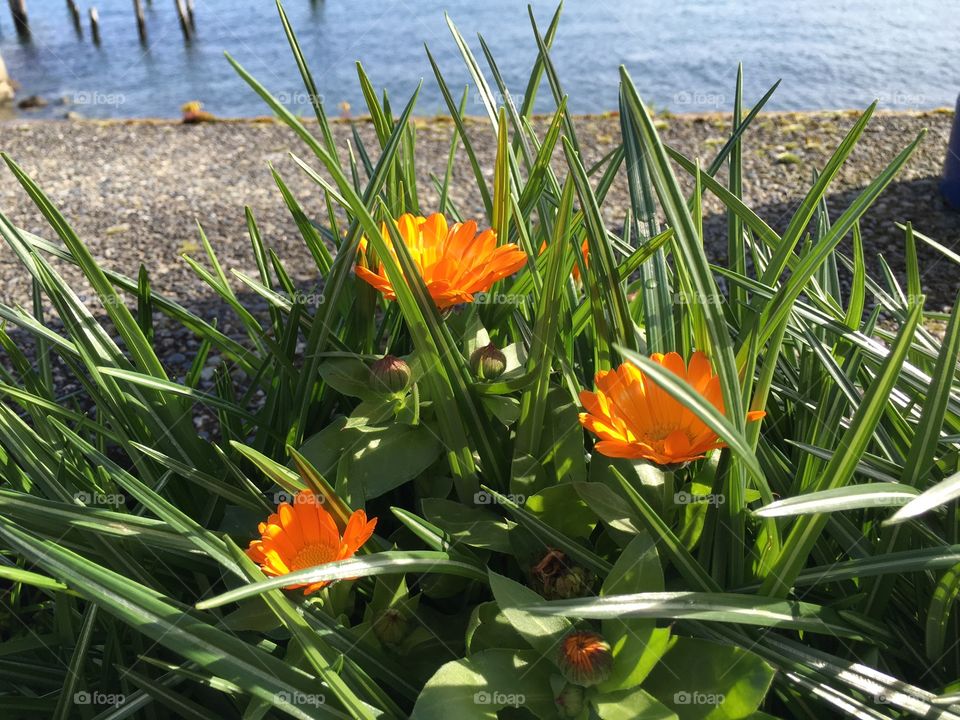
390, 627
558, 579
573, 583
390, 374
585, 658
488, 362
570, 701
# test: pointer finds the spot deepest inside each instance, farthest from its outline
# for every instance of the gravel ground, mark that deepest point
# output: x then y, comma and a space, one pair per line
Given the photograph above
134, 190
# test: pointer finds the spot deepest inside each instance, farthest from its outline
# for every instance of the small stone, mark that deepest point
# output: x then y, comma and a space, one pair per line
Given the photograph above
788, 158
31, 102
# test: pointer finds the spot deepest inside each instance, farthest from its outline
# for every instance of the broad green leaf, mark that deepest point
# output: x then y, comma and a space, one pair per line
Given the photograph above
637, 645
700, 679
543, 633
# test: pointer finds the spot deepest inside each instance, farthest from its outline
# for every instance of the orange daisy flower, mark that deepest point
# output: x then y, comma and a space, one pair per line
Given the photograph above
304, 535
454, 262
635, 418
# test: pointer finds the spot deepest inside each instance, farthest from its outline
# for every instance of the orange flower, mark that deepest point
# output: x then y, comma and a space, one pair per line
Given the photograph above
584, 250
635, 418
454, 262
304, 535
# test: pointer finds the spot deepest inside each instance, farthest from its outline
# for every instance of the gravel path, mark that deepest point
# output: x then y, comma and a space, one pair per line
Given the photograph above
133, 191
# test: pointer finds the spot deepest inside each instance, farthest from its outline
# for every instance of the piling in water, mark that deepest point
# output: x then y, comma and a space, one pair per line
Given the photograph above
141, 22
95, 25
18, 8
184, 20
75, 14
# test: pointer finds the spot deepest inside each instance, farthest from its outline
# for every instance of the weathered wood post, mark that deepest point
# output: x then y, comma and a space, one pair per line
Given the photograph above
184, 21
141, 22
95, 25
18, 8
75, 14
6, 87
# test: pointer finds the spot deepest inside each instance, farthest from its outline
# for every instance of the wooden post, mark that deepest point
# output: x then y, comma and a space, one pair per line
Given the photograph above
95, 25
141, 23
75, 14
18, 8
184, 21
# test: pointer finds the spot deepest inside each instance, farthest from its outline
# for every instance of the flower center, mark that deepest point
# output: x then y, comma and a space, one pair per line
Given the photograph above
313, 555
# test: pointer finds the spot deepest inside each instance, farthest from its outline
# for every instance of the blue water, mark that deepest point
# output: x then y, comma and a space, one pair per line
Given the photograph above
682, 54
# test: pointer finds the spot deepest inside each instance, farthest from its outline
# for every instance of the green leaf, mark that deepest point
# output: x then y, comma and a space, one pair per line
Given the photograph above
631, 704
712, 607
387, 458
727, 683
477, 687
471, 526
637, 645
855, 497
803, 536
385, 563
561, 508
543, 633
938, 614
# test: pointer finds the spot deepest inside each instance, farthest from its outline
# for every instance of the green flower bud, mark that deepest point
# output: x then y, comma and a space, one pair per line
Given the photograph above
570, 701
488, 362
585, 658
573, 583
390, 627
390, 374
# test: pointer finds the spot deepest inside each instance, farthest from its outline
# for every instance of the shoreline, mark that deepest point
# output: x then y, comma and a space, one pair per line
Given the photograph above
20, 116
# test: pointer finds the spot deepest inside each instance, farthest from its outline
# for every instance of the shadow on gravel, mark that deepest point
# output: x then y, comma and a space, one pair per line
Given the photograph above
918, 201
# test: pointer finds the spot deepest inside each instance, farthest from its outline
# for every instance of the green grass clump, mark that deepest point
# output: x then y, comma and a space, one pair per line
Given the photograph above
807, 565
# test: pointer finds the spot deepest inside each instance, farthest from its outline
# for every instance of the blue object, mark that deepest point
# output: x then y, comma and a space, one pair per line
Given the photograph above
950, 186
